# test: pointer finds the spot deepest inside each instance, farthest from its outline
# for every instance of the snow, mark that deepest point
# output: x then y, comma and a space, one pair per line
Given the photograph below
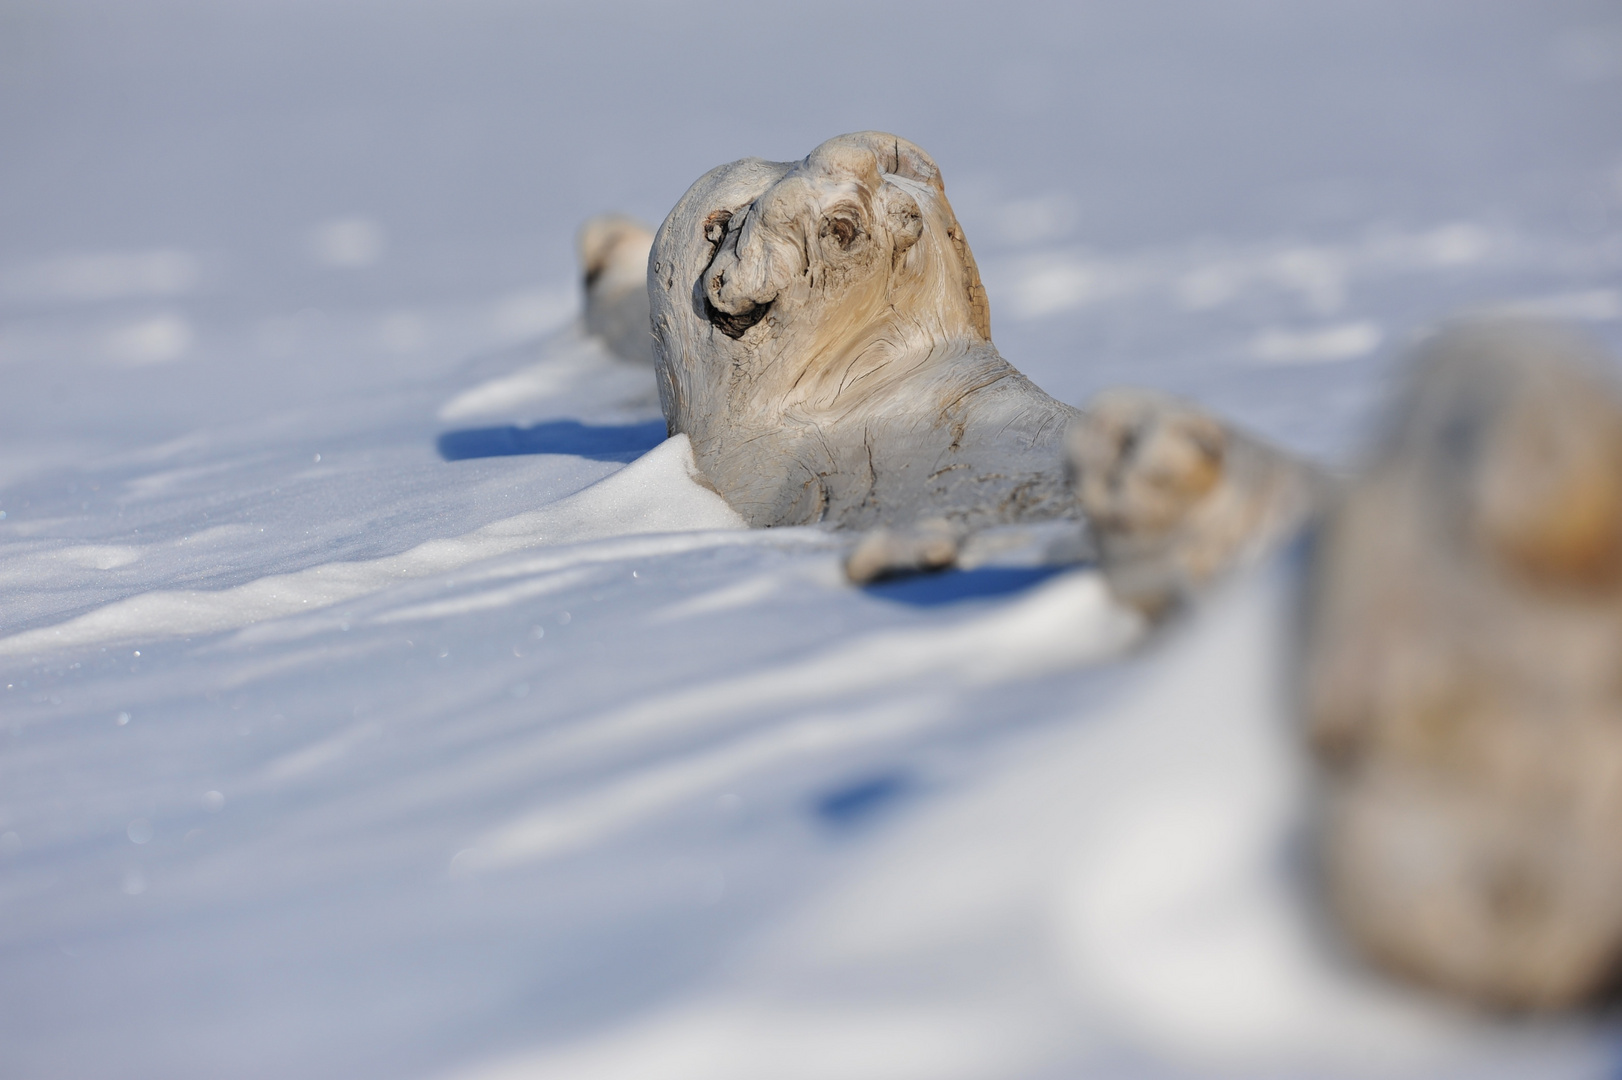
381, 694
657, 493
968, 941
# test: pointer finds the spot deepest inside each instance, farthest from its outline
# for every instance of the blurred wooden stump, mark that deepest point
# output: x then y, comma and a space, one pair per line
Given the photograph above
1463, 675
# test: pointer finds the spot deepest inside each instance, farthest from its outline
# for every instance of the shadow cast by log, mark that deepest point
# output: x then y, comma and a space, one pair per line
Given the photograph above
599, 442
957, 586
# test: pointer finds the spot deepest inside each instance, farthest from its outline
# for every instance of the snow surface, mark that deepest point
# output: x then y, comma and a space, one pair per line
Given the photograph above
383, 697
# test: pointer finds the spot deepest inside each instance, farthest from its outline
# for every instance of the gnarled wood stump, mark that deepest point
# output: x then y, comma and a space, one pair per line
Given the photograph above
1463, 679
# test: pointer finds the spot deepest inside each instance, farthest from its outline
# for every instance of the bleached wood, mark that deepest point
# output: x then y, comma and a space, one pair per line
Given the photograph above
824, 340
613, 253
1464, 675
1176, 498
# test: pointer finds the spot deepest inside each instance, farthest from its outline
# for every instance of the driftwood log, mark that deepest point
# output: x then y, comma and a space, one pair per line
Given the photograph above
1463, 676
613, 253
824, 340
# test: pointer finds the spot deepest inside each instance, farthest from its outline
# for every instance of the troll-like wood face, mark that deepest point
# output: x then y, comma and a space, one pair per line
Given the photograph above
839, 232
807, 279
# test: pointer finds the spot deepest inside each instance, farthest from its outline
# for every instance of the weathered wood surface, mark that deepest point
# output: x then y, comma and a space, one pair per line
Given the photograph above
1176, 498
613, 253
823, 339
1463, 675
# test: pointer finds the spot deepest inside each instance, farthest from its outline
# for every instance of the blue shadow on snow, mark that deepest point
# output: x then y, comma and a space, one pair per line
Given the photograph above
860, 801
600, 442
952, 586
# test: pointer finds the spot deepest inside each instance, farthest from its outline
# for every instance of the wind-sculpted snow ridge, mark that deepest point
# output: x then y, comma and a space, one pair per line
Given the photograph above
1069, 622
658, 494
